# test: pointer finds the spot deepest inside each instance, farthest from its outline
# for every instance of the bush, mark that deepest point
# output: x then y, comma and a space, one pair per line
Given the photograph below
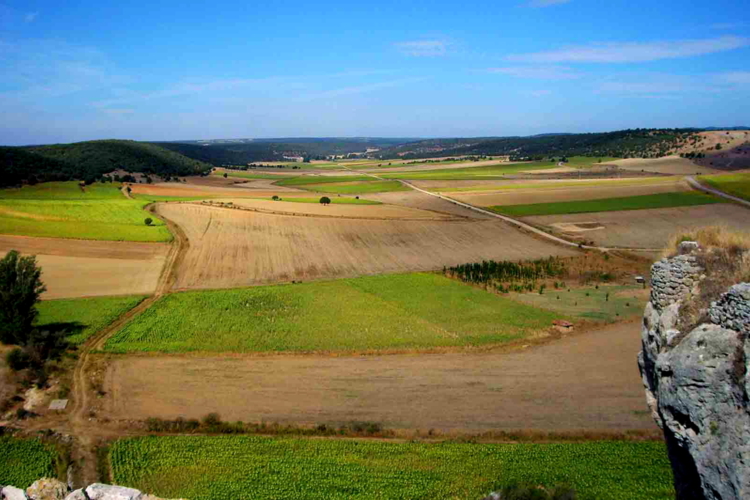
325, 200
17, 359
148, 221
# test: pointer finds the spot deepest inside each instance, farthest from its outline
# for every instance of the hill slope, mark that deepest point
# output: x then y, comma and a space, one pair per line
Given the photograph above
90, 160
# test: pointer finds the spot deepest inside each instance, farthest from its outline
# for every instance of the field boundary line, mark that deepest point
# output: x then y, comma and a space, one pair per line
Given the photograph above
697, 185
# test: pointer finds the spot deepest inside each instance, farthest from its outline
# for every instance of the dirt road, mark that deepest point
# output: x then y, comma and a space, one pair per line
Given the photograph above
589, 381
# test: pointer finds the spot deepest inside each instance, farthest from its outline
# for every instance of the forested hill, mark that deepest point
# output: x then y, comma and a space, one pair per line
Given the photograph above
642, 143
90, 160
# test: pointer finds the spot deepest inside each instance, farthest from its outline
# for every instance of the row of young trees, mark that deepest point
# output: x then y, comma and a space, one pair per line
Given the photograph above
490, 271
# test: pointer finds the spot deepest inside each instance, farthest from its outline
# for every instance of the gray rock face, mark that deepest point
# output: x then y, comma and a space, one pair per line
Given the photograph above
76, 495
47, 489
697, 384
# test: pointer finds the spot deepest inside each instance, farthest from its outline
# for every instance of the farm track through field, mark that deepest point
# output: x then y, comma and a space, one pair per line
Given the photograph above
714, 191
84, 452
521, 225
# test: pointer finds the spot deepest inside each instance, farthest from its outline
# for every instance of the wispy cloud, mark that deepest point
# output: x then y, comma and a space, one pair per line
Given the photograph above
538, 72
735, 77
629, 52
537, 93
362, 89
726, 26
30, 17
424, 48
546, 3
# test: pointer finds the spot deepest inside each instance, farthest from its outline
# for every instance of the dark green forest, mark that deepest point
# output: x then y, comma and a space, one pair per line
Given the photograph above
641, 143
89, 161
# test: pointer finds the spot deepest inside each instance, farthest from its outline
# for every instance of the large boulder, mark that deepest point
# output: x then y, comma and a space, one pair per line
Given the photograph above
99, 491
12, 493
47, 489
696, 380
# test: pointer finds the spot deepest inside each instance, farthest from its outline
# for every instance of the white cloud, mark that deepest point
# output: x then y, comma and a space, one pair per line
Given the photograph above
634, 51
30, 17
538, 72
424, 48
362, 89
547, 3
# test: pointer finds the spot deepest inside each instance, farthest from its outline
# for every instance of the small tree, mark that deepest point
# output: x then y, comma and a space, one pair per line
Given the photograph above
275, 197
325, 200
149, 221
225, 175
20, 288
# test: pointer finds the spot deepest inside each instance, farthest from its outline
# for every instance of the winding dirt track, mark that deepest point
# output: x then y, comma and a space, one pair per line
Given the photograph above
85, 453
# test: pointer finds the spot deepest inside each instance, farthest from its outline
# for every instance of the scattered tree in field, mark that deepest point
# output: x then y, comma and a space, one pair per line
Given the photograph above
225, 175
275, 198
20, 288
148, 221
325, 200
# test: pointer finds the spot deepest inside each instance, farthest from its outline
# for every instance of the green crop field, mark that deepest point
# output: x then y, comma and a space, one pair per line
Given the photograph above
403, 311
588, 161
206, 467
487, 172
362, 187
334, 201
663, 200
734, 184
82, 318
590, 302
23, 461
64, 210
323, 179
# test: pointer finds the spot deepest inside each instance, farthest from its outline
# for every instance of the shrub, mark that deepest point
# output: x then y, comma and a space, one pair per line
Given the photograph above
325, 200
148, 221
17, 359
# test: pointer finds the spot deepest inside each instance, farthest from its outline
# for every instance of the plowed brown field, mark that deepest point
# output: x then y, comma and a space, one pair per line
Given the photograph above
233, 248
540, 388
645, 228
77, 268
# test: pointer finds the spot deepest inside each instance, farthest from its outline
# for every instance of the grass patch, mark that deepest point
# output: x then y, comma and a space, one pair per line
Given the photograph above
356, 187
334, 201
590, 302
203, 467
734, 184
487, 172
663, 200
82, 318
64, 210
23, 461
324, 179
380, 312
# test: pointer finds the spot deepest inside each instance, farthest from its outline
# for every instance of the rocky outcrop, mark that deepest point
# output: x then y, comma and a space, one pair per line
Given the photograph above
52, 489
696, 379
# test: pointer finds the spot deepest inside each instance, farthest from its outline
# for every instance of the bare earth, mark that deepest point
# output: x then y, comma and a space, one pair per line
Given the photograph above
233, 248
77, 268
435, 166
646, 228
569, 193
539, 388
667, 165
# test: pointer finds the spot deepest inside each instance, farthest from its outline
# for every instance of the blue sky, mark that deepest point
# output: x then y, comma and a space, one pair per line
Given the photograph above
79, 70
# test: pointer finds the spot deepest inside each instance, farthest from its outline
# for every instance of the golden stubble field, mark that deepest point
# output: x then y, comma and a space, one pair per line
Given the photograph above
234, 248
79, 268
